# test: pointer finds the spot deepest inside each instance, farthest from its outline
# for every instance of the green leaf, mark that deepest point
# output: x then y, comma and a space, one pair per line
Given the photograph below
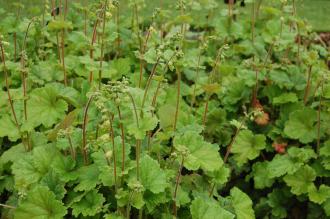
9, 129
88, 178
319, 195
12, 154
201, 154
55, 184
301, 125
30, 168
151, 175
182, 196
64, 167
247, 146
40, 204
118, 68
326, 206
261, 175
137, 200
278, 200
150, 56
220, 176
285, 98
106, 170
153, 200
25, 173
147, 123
43, 157
44, 107
301, 154
242, 204
282, 164
301, 180
208, 209
325, 149
290, 162
89, 205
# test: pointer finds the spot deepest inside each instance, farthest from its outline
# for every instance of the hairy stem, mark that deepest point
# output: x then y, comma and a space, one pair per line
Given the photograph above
121, 126
84, 127
15, 46
308, 84
142, 51
319, 121
112, 136
118, 30
193, 98
91, 51
225, 159
3, 58
153, 71
206, 110
57, 38
102, 43
177, 100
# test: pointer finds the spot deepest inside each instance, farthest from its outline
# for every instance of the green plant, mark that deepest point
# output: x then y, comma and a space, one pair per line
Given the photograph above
198, 110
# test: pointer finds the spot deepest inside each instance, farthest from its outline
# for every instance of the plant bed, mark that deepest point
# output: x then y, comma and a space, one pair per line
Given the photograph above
198, 110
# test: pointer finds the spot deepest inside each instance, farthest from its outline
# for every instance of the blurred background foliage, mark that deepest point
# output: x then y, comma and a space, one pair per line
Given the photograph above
315, 11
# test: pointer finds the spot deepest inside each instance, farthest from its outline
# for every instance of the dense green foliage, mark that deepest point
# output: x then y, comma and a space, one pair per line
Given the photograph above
193, 111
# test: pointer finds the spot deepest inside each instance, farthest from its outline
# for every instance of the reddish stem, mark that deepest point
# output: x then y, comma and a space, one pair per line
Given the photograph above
84, 127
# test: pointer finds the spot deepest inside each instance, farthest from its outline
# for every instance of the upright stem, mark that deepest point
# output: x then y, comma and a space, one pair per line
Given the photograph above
153, 71
24, 76
3, 58
228, 151
206, 110
91, 51
233, 141
57, 38
63, 44
319, 121
258, 8
137, 154
112, 136
142, 51
230, 10
210, 79
154, 101
136, 12
44, 13
178, 97
84, 127
121, 126
308, 84
63, 59
256, 87
193, 98
177, 182
253, 21
138, 141
85, 23
102, 43
66, 9
15, 46
118, 30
